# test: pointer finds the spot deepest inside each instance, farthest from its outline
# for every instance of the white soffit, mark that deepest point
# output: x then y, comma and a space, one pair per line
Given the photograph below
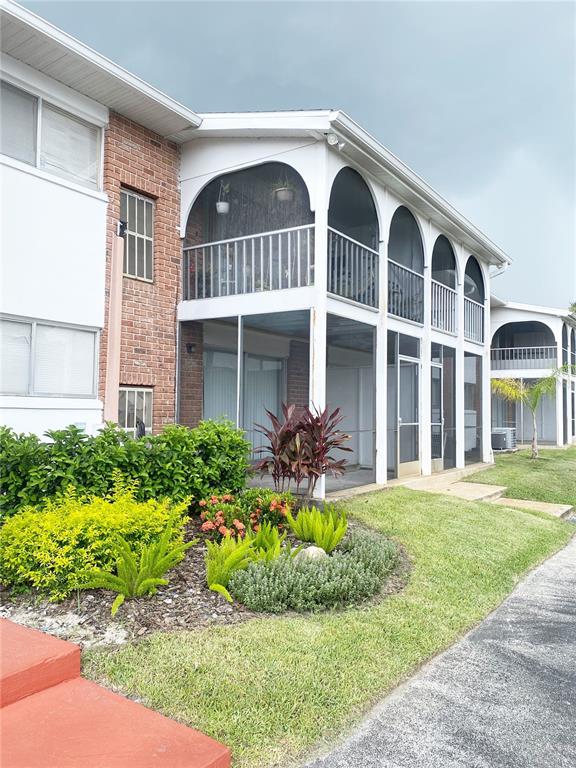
37, 43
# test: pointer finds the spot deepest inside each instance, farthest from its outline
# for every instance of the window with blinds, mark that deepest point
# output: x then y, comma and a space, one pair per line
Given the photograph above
135, 403
138, 213
46, 360
67, 146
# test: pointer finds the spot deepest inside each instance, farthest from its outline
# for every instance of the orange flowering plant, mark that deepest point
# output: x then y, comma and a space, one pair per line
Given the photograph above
228, 515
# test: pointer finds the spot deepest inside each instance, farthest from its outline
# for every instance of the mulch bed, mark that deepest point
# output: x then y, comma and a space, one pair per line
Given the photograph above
185, 603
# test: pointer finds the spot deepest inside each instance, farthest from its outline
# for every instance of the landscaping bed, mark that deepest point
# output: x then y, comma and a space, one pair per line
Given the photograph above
273, 687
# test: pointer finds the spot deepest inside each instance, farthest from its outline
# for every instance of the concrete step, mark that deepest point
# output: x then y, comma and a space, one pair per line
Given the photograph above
31, 661
50, 717
556, 510
474, 491
79, 724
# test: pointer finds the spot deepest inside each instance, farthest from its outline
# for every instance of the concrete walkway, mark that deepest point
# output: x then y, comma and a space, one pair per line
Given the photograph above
502, 697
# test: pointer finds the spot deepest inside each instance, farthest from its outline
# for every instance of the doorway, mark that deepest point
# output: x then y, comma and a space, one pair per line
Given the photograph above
403, 433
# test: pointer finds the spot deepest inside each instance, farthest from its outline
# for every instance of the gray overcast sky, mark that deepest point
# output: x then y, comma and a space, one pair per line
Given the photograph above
478, 97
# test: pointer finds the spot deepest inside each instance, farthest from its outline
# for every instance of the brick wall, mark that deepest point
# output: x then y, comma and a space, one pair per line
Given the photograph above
139, 159
298, 373
191, 374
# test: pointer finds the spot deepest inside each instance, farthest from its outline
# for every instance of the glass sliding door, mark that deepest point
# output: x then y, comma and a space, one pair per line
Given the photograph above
449, 406
220, 376
264, 387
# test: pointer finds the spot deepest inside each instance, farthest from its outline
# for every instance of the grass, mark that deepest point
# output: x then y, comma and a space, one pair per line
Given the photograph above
272, 688
551, 477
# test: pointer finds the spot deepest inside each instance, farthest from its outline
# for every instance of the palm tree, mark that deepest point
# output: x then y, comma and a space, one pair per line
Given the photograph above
516, 391
572, 308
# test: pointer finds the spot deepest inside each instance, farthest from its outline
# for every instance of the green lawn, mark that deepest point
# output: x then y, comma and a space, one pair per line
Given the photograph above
273, 687
551, 477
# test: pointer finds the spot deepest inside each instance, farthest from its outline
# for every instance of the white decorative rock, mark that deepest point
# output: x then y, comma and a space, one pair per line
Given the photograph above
311, 553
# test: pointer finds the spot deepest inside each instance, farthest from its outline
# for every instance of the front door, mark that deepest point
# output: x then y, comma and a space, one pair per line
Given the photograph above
408, 417
437, 417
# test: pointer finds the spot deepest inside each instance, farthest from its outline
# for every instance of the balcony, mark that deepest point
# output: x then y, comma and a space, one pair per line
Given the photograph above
443, 308
405, 293
473, 321
522, 358
266, 261
352, 269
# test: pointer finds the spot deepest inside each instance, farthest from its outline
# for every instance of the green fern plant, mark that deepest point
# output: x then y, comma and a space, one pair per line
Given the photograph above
268, 544
136, 577
326, 529
223, 558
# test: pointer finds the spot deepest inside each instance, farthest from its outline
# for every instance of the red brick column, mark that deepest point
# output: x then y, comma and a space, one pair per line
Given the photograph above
137, 158
191, 374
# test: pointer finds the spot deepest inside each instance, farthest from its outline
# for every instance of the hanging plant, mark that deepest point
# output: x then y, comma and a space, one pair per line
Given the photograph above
284, 191
222, 204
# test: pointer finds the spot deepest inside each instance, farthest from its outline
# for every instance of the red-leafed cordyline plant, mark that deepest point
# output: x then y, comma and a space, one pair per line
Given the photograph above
300, 448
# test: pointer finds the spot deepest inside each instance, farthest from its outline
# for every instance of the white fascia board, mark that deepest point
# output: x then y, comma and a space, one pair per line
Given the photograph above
69, 43
349, 130
535, 309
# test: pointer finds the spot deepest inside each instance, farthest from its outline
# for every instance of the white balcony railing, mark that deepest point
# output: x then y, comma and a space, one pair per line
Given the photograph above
352, 269
473, 321
262, 262
514, 358
405, 293
443, 307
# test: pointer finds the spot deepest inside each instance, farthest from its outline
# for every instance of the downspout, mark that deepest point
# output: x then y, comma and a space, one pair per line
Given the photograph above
112, 386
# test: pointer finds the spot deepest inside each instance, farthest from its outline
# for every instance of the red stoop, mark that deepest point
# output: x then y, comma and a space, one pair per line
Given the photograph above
53, 718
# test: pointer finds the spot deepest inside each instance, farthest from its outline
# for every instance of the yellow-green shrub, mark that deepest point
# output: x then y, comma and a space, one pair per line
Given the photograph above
56, 549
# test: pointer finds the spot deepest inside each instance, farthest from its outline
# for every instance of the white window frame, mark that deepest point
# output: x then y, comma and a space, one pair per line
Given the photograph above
40, 101
34, 323
132, 430
146, 238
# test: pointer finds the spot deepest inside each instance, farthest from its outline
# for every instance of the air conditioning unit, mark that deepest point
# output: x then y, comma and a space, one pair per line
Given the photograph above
504, 438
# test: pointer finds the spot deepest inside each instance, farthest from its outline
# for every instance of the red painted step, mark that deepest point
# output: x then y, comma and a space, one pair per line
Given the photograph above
79, 724
31, 661
53, 718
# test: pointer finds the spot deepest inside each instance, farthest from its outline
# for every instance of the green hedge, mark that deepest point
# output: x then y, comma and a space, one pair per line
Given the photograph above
179, 463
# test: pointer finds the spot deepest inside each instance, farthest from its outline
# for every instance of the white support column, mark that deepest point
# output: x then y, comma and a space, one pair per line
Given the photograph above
381, 369
425, 356
460, 431
240, 372
487, 455
559, 412
318, 313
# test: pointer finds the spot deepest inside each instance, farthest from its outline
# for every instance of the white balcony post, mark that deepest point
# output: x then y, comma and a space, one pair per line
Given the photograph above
460, 431
381, 370
425, 355
318, 312
487, 455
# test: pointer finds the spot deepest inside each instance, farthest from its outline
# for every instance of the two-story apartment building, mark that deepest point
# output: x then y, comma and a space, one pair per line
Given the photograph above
167, 266
530, 343
319, 269
87, 317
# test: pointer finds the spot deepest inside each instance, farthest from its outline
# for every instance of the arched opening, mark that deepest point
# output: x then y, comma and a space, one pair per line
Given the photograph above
564, 344
443, 286
353, 238
249, 231
351, 210
523, 345
405, 243
473, 281
573, 348
405, 267
444, 263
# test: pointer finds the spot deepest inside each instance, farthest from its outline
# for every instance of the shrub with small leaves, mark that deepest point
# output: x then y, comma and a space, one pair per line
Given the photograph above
56, 548
222, 516
354, 573
266, 506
